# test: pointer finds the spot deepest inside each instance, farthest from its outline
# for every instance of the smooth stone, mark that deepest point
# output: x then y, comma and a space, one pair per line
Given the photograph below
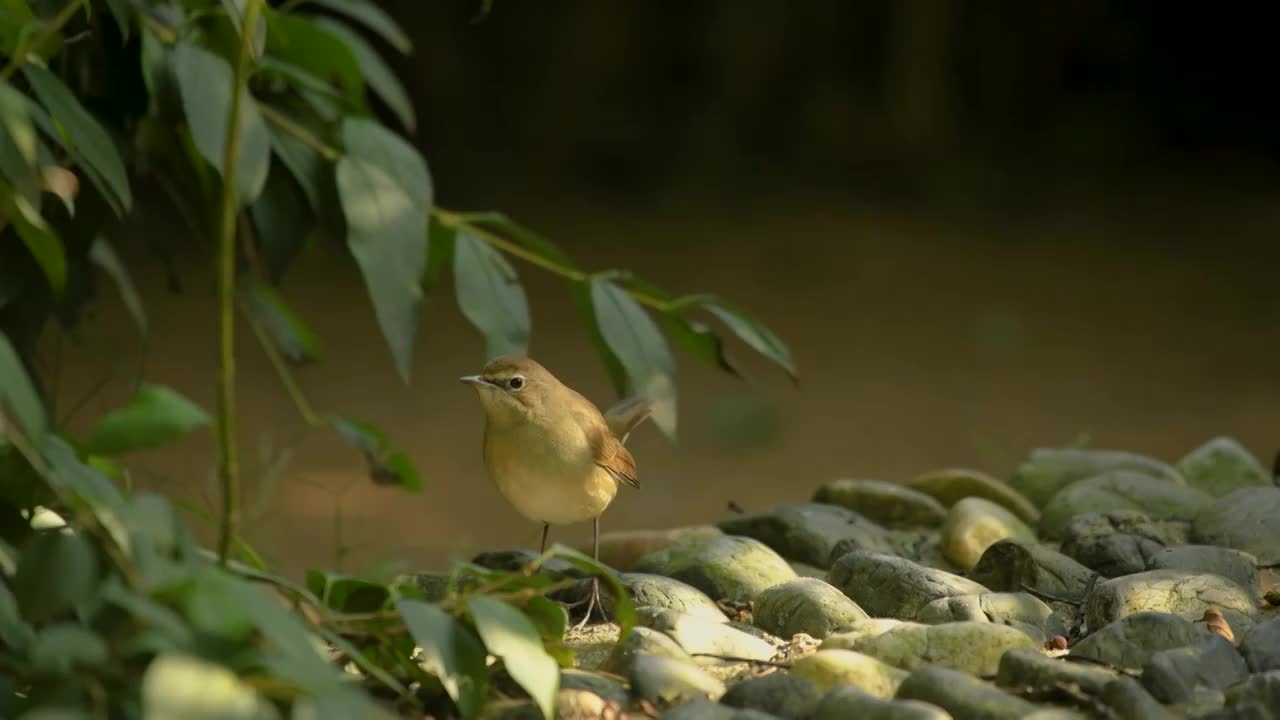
805, 570
886, 503
1121, 490
641, 641
1239, 567
808, 532
951, 485
665, 592
805, 605
1168, 591
1020, 611
1260, 646
973, 525
964, 696
1175, 675
779, 694
1048, 470
845, 639
830, 668
704, 709
889, 586
843, 703
1128, 700
1247, 519
573, 704
1014, 565
970, 647
602, 685
1222, 466
434, 586
725, 568
1120, 542
923, 549
1257, 698
621, 549
594, 645
1131, 641
699, 636
1031, 668
667, 680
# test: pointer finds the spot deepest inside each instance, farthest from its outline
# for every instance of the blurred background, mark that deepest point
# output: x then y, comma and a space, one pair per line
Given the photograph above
982, 227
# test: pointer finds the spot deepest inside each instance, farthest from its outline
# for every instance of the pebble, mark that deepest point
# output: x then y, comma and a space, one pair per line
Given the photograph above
665, 592
889, 504
1015, 565
889, 586
1261, 646
805, 605
779, 694
1158, 498
844, 640
1257, 698
1175, 675
698, 636
1021, 611
973, 525
1239, 567
830, 668
725, 568
1131, 641
970, 647
1120, 542
642, 641
1128, 700
962, 695
1222, 466
951, 485
808, 532
1168, 591
1247, 519
843, 703
1048, 470
704, 709
668, 681
621, 549
1030, 668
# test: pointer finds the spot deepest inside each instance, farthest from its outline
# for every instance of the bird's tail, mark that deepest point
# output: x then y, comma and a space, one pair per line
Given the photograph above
626, 415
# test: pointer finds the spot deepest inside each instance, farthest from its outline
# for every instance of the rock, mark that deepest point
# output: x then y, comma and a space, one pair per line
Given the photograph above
922, 548
1261, 646
668, 681
602, 685
699, 636
1021, 611
1130, 642
518, 559
665, 592
622, 548
975, 524
725, 568
778, 694
434, 586
1121, 542
829, 668
1169, 591
842, 703
845, 640
572, 704
805, 570
1012, 565
1130, 701
510, 709
951, 485
889, 586
1175, 675
640, 642
964, 696
889, 504
1222, 466
808, 532
1121, 490
703, 709
594, 645
805, 605
1030, 668
970, 647
1247, 519
1239, 567
1257, 698
1048, 470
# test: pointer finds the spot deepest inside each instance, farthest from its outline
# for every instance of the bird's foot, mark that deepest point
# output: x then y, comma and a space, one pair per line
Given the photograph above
592, 601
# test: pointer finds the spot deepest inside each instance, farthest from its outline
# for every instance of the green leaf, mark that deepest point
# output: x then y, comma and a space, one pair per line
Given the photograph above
530, 240
183, 686
346, 593
510, 635
18, 395
213, 607
633, 336
617, 373
19, 143
372, 17
56, 571
381, 79
308, 168
699, 340
63, 647
14, 632
104, 256
624, 612
154, 416
15, 21
205, 80
236, 10
551, 619
120, 11
387, 466
282, 221
289, 333
490, 296
302, 42
449, 652
440, 242
149, 613
362, 661
40, 239
754, 334
83, 137
386, 197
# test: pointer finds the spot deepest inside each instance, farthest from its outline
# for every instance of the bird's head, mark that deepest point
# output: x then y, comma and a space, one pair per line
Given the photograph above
513, 388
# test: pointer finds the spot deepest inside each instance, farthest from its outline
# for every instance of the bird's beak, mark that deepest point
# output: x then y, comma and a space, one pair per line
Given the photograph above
472, 379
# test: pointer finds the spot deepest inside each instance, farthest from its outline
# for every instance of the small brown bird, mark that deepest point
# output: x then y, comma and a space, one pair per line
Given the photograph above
550, 451
1217, 624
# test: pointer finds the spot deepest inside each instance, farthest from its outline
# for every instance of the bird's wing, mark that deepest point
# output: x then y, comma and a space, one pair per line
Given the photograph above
614, 458
626, 415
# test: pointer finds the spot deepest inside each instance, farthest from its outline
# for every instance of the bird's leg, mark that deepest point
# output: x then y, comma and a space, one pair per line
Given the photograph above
542, 547
593, 599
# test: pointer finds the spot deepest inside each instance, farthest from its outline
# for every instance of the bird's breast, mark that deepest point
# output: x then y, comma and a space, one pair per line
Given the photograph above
548, 478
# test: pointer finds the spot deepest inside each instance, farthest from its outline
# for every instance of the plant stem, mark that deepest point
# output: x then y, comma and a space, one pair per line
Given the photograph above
228, 459
328, 152
49, 30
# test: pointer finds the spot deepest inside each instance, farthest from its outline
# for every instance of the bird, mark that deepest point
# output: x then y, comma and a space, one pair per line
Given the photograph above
550, 451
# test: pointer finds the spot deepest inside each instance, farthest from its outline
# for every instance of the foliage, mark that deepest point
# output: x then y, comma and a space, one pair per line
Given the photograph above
261, 124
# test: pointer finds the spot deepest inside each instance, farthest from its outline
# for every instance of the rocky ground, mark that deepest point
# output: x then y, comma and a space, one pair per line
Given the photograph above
1091, 584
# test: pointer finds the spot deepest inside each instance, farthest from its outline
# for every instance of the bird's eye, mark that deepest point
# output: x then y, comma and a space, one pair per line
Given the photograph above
515, 383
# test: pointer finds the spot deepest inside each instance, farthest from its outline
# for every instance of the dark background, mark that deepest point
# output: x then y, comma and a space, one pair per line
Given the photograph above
981, 226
